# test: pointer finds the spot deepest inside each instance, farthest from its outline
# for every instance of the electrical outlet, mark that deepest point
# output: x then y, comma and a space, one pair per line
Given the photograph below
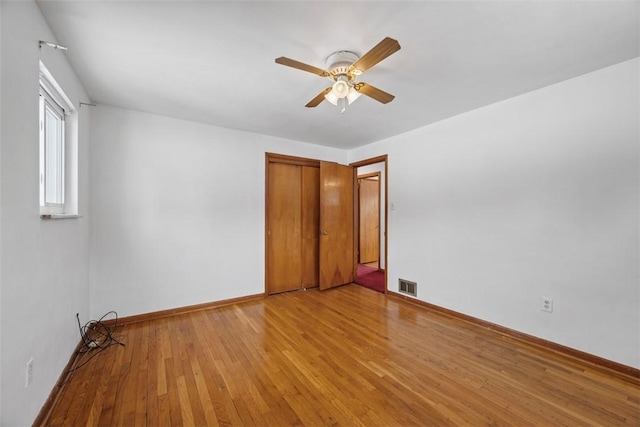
29, 373
546, 304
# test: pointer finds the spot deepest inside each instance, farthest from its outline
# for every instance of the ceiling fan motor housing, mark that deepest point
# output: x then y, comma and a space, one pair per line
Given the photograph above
338, 63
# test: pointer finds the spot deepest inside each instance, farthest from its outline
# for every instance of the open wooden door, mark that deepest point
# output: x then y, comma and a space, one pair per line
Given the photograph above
337, 255
369, 223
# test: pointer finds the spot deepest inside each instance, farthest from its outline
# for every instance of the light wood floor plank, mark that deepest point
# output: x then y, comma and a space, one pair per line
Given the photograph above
344, 357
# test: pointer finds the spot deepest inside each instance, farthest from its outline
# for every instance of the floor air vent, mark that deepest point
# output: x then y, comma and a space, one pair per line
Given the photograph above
407, 287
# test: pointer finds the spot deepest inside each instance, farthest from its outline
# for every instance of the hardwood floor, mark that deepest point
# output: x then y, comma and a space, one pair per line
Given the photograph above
347, 356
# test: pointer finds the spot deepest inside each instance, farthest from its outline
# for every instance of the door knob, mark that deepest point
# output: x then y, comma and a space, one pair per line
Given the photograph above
325, 232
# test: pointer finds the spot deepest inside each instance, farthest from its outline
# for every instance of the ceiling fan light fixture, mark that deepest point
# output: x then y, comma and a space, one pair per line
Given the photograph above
340, 88
352, 95
331, 97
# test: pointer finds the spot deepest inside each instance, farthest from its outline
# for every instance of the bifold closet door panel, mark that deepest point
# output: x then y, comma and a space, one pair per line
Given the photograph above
285, 227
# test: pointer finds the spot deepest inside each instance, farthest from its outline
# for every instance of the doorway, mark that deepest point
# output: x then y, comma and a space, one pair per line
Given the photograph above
369, 219
371, 268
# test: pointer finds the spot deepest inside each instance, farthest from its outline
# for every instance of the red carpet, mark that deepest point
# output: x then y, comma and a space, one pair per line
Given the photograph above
370, 277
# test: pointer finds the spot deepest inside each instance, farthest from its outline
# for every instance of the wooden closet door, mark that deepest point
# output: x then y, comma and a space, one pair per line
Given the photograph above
284, 228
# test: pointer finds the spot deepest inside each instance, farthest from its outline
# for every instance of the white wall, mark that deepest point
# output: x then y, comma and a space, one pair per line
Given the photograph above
178, 210
534, 196
45, 266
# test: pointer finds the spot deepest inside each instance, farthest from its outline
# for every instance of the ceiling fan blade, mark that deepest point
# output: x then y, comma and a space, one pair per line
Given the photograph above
301, 66
374, 92
318, 99
385, 48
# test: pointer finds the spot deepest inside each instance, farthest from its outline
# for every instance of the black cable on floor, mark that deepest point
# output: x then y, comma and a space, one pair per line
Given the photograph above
96, 336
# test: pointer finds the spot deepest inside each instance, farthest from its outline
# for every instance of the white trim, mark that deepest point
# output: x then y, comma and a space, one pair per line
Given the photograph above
60, 216
55, 90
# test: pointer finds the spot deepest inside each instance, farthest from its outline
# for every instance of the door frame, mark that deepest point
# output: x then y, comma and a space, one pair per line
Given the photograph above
373, 160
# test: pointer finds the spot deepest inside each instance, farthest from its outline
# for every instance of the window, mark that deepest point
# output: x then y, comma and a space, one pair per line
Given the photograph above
51, 153
58, 168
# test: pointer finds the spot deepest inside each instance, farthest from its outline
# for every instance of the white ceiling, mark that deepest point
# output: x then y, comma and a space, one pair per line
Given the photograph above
213, 61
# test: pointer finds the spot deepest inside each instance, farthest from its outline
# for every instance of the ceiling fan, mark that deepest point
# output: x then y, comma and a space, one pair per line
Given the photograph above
343, 68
